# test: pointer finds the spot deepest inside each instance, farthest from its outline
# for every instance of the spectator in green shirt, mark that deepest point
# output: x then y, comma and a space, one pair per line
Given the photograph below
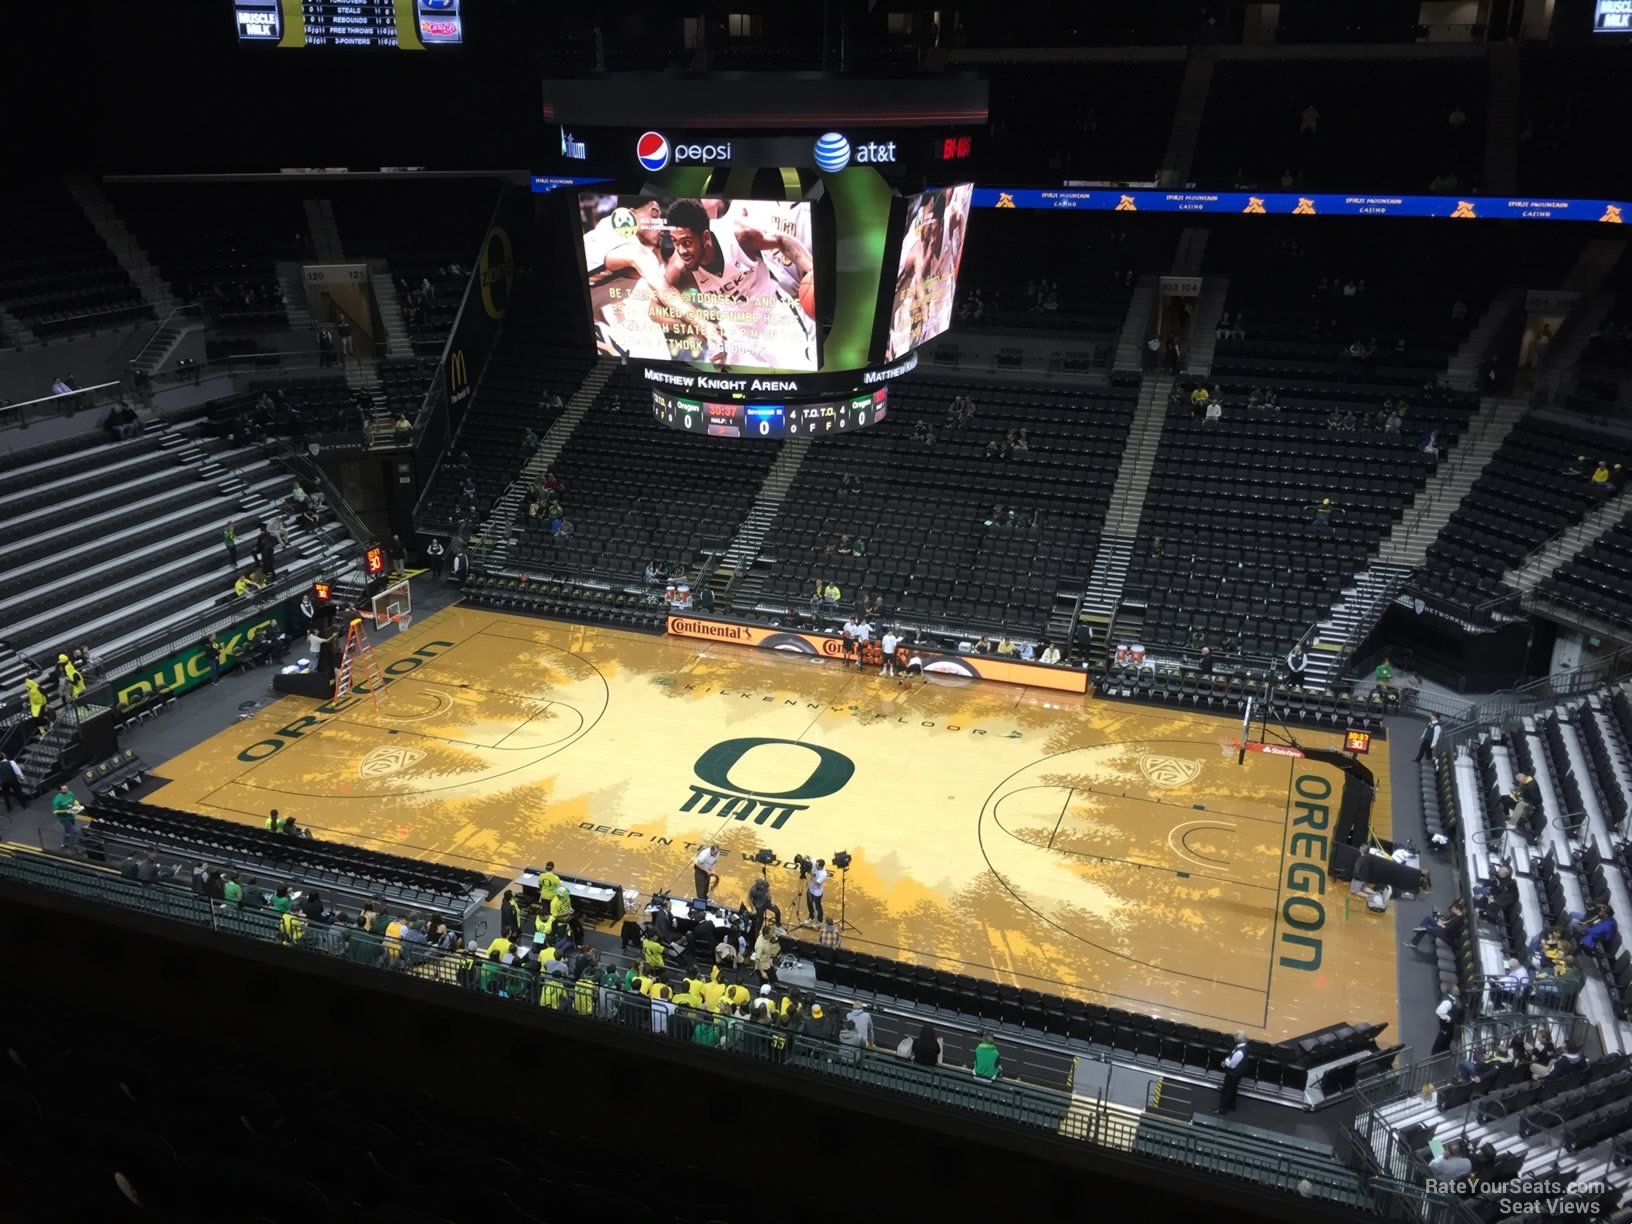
66, 808
988, 1065
705, 1032
281, 901
1384, 673
233, 893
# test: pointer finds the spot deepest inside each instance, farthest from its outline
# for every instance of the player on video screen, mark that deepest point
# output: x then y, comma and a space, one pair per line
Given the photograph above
629, 289
925, 283
776, 217
726, 263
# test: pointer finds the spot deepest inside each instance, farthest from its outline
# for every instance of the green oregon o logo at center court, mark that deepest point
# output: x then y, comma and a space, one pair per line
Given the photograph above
827, 774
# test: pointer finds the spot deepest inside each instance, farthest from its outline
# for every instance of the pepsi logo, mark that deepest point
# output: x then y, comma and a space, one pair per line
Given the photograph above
652, 151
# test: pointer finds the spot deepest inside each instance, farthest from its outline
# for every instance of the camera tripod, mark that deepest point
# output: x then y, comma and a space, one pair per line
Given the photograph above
845, 924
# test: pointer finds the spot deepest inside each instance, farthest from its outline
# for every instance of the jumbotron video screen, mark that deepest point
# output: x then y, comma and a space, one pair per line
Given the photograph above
926, 280
709, 281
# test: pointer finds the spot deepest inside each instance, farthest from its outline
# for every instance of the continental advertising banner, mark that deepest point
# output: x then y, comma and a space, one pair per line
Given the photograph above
1311, 204
832, 646
189, 666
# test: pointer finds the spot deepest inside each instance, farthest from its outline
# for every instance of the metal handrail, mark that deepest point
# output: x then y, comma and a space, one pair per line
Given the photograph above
59, 397
1268, 1162
305, 466
180, 308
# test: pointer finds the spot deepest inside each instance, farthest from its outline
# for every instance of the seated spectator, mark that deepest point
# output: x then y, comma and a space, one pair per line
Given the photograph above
1496, 899
925, 1049
1441, 926
1512, 986
529, 442
1557, 982
1005, 647
1600, 932
988, 1063
1524, 798
984, 645
1215, 411
1566, 1062
1051, 654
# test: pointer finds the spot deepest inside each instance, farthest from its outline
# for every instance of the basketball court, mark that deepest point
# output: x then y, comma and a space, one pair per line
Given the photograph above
1106, 850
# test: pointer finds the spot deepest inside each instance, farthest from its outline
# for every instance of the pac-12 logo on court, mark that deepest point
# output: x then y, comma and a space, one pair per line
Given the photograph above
1169, 771
750, 795
383, 762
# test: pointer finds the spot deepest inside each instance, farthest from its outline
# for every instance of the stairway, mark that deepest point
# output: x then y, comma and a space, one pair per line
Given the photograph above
395, 342
39, 758
1407, 544
1138, 325
167, 337
1127, 504
325, 231
1362, 603
1468, 362
13, 332
497, 529
1502, 118
293, 285
1527, 575
99, 211
1186, 130
1098, 603
738, 558
1203, 340
1350, 621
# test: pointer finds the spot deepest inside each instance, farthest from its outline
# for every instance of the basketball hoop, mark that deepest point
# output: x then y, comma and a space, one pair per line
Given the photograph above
1228, 746
403, 620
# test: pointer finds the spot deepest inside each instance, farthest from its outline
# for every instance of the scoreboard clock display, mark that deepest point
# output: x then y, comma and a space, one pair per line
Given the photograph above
817, 419
411, 25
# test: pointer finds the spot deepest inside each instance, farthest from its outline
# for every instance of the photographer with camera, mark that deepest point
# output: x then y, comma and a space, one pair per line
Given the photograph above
760, 903
815, 877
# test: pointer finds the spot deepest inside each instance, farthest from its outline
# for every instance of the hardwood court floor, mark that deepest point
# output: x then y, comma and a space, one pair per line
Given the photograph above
1072, 845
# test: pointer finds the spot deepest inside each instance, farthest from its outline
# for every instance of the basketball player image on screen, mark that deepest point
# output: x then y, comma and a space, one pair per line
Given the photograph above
776, 217
635, 308
927, 277
724, 264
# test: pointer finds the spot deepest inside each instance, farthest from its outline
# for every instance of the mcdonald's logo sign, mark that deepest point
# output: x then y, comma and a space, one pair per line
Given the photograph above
458, 377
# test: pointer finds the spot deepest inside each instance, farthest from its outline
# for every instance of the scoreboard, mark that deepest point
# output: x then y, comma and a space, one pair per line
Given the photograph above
814, 419
414, 25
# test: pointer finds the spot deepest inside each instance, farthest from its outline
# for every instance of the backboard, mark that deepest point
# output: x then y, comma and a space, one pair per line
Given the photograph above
394, 605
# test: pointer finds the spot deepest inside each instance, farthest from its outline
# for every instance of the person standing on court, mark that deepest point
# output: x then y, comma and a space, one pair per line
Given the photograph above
229, 541
702, 869
65, 806
813, 890
1296, 661
1235, 1066
889, 645
212, 648
1447, 1013
1429, 743
434, 553
11, 782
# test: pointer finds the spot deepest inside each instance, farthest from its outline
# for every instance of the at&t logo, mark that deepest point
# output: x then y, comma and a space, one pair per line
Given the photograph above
833, 153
